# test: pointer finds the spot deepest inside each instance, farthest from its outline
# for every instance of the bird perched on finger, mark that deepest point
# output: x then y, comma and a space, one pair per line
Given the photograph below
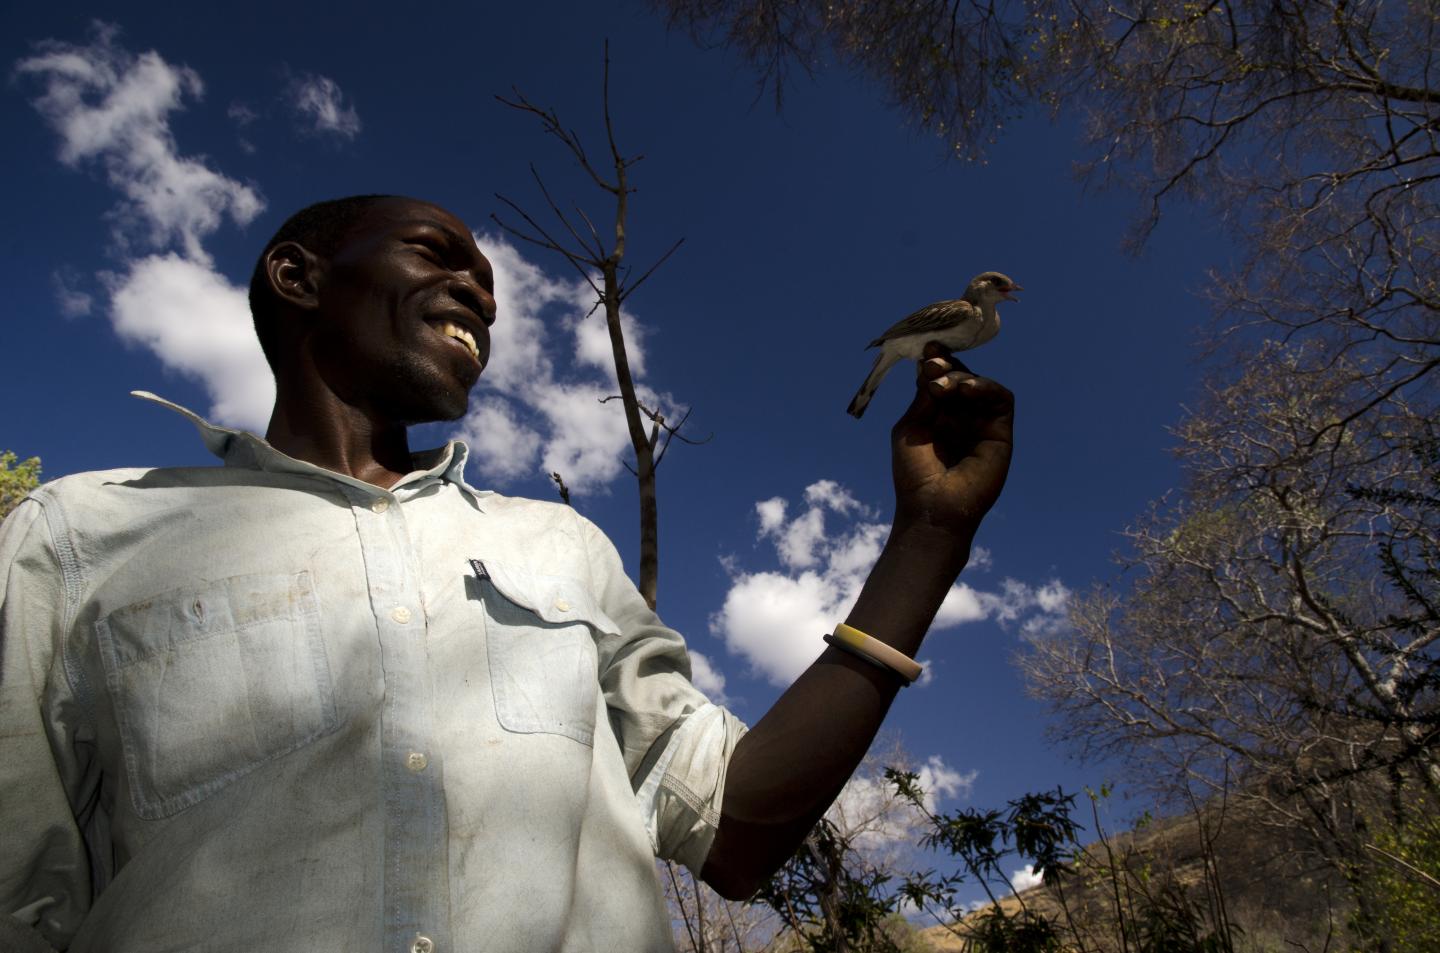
958, 325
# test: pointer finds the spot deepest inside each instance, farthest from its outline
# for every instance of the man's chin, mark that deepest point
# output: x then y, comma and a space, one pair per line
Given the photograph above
440, 409
433, 402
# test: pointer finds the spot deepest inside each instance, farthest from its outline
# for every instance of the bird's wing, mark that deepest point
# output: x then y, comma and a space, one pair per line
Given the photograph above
940, 316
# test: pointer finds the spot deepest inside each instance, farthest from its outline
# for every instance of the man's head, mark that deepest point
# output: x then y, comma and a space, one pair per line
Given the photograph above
384, 301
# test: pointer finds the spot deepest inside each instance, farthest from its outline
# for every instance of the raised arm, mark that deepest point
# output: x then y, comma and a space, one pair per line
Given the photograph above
951, 452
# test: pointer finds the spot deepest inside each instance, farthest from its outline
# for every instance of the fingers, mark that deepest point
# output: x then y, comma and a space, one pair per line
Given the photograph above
956, 393
940, 376
934, 350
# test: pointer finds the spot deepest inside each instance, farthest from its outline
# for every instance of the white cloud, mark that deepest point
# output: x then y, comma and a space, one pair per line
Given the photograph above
551, 365
879, 821
501, 445
112, 107
1025, 878
939, 780
592, 343
586, 437
1052, 597
320, 105
828, 493
707, 678
1045, 607
797, 541
772, 514
962, 604
199, 324
775, 619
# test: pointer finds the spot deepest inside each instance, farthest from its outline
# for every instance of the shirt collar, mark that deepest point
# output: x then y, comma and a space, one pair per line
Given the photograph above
240, 448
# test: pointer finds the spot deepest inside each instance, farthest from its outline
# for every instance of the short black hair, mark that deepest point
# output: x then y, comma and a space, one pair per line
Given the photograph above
319, 228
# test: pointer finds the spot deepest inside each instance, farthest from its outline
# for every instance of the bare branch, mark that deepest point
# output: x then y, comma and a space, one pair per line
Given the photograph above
559, 213
631, 289
606, 273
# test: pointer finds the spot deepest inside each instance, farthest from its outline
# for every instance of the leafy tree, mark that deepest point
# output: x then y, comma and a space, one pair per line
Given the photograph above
1278, 629
839, 892
16, 481
830, 898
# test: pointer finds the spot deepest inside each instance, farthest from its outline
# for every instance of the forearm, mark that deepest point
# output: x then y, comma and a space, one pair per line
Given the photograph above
788, 769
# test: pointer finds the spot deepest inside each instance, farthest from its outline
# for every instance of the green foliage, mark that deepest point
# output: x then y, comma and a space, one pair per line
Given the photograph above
830, 899
1405, 885
995, 931
16, 481
1036, 827
1147, 912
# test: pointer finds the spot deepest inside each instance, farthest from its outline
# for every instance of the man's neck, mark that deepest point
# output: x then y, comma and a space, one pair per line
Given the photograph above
323, 430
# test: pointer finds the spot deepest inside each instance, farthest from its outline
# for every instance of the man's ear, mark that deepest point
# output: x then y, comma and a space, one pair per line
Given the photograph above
295, 274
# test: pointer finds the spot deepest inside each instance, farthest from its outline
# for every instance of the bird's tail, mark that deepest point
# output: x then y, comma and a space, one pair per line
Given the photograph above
861, 400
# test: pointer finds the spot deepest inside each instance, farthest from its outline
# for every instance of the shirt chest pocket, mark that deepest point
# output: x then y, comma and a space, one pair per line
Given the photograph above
208, 684
540, 635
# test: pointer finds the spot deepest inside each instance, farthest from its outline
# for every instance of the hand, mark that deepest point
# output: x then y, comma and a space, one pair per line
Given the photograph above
951, 449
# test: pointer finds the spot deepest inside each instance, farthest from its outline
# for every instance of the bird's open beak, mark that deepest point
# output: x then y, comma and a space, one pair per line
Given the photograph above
1010, 294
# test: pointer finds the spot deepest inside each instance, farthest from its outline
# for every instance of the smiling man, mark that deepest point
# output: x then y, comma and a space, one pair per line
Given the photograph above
330, 697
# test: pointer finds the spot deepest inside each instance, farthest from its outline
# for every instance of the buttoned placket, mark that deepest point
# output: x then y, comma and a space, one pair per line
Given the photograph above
416, 867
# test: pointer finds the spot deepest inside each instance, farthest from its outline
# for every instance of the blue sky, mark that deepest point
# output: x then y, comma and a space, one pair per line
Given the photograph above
149, 159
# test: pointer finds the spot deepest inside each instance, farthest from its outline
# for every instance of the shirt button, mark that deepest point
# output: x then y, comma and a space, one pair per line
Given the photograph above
379, 505
400, 614
422, 944
562, 605
416, 761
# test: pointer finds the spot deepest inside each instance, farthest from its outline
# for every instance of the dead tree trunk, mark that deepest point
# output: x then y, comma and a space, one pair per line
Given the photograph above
601, 264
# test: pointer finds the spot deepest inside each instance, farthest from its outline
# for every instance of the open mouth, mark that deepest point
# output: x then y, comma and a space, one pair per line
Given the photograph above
458, 333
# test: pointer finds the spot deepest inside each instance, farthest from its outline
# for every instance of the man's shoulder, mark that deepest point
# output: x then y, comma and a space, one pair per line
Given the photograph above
537, 524
536, 514
88, 482
104, 491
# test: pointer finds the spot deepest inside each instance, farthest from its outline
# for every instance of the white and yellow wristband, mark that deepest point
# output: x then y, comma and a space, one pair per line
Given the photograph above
872, 650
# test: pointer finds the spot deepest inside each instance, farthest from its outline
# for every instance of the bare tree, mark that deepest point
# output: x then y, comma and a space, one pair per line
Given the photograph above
600, 262
705, 922
1272, 631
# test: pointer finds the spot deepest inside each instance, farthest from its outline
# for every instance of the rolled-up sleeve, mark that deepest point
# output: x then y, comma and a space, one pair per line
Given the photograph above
675, 741
45, 882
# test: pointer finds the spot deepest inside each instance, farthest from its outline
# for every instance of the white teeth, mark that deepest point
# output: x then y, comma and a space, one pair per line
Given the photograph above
463, 335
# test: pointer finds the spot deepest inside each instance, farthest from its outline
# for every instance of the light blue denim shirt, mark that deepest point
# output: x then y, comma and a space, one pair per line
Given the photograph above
264, 706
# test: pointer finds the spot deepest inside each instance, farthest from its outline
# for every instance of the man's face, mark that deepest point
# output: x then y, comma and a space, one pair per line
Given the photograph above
397, 300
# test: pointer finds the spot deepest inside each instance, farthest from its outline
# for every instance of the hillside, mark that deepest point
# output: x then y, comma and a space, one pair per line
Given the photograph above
1266, 886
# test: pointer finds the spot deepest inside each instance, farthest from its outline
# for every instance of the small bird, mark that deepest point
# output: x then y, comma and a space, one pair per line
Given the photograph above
958, 325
